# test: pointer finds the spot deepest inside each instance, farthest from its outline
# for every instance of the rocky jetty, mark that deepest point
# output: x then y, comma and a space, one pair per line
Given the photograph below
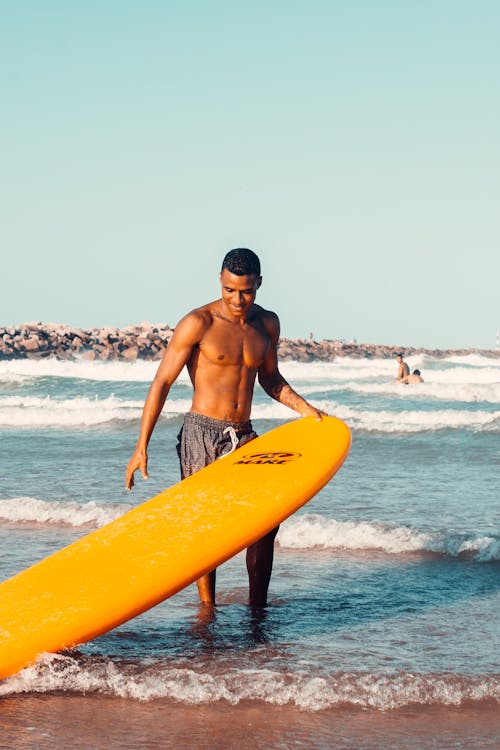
308, 350
37, 340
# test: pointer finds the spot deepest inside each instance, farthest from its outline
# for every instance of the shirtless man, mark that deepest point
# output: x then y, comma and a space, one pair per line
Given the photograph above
226, 345
403, 369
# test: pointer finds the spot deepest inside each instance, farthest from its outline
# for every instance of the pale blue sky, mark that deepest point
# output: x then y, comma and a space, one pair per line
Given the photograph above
354, 145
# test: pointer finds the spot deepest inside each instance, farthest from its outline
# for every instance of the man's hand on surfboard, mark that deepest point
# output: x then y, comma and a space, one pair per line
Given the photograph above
139, 460
313, 412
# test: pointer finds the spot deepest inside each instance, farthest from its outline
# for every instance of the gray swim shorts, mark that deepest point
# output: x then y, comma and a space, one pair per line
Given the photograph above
202, 440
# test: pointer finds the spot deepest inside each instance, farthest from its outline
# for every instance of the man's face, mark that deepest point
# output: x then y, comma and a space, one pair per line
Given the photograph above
239, 292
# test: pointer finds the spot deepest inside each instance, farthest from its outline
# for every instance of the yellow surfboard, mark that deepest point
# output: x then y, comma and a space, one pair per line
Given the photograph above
158, 548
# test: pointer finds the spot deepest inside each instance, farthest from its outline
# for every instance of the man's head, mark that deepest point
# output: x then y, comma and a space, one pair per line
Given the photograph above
240, 278
399, 357
242, 262
416, 372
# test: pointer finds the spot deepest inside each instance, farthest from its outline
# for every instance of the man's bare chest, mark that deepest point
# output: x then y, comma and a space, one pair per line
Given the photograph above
228, 344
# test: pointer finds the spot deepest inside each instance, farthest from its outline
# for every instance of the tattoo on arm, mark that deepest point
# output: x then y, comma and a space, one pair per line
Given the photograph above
281, 391
290, 398
275, 390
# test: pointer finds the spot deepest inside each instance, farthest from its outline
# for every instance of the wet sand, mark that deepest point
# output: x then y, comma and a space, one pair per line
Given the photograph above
104, 723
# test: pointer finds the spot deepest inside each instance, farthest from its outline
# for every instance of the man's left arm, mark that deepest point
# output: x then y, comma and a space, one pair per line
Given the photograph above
273, 382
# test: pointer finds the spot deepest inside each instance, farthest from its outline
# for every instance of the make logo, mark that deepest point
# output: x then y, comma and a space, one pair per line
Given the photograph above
276, 457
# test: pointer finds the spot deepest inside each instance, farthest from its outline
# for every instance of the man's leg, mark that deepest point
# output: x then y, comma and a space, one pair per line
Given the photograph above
259, 567
206, 588
194, 453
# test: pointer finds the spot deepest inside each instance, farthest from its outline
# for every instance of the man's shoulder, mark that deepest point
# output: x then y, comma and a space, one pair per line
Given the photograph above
267, 319
264, 314
202, 314
196, 321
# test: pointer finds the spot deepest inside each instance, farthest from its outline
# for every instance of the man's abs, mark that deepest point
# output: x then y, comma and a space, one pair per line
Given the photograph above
223, 368
223, 392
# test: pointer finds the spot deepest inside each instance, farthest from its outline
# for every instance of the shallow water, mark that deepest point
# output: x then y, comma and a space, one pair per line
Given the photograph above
386, 589
82, 722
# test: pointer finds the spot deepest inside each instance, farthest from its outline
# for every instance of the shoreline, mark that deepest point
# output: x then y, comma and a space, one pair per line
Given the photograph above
54, 720
147, 341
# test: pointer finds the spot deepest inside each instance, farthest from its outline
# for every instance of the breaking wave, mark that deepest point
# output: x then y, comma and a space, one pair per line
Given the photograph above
33, 411
144, 682
466, 393
32, 510
308, 531
415, 421
317, 532
465, 369
140, 371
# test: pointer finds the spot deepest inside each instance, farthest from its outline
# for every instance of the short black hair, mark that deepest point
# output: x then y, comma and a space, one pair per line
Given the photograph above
242, 262
416, 372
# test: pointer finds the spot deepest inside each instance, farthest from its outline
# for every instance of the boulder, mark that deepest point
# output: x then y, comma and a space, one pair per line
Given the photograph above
130, 354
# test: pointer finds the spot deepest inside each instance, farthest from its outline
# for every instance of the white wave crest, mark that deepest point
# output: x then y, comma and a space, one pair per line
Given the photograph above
463, 376
308, 531
9, 378
465, 392
33, 411
407, 421
307, 692
314, 531
341, 369
32, 510
467, 369
474, 360
404, 421
140, 371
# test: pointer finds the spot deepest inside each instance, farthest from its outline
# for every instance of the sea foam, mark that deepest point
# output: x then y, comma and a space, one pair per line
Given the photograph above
469, 369
82, 411
140, 371
33, 411
308, 692
304, 532
32, 510
457, 392
317, 532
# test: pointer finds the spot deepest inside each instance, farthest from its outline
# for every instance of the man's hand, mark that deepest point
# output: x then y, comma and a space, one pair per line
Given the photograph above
139, 460
311, 411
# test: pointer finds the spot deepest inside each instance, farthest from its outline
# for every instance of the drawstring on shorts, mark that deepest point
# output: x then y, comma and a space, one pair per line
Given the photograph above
234, 440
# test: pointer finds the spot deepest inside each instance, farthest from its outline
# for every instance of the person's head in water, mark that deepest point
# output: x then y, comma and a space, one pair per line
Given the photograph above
242, 262
399, 357
240, 279
416, 372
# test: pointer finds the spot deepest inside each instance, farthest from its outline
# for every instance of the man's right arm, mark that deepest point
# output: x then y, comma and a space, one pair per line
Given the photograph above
273, 382
186, 335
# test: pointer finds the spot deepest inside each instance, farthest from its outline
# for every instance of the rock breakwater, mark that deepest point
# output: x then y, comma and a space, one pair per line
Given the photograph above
148, 341
40, 341
308, 350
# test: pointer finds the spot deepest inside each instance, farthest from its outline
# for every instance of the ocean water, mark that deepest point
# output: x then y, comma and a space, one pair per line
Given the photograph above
385, 593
